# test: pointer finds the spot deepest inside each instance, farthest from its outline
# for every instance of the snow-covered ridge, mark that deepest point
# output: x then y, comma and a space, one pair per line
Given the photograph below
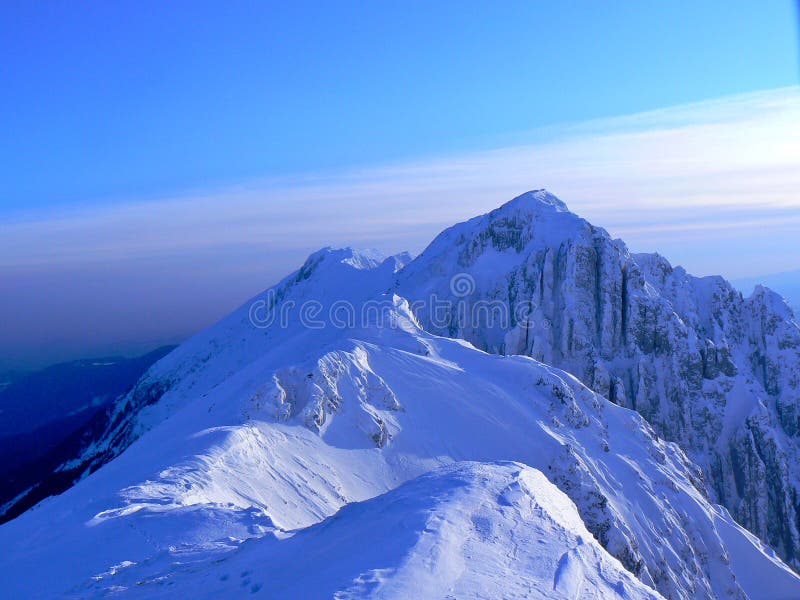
465, 530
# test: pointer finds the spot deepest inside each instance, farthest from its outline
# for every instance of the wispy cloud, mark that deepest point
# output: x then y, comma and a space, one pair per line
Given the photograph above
714, 186
687, 166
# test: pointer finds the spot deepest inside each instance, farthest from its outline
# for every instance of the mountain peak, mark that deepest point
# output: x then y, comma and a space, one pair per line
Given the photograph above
530, 222
357, 258
535, 201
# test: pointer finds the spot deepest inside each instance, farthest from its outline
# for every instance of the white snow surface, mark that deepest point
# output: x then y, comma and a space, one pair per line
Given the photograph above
467, 530
371, 461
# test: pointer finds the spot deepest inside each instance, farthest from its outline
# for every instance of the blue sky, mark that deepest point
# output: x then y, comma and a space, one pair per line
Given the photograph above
117, 100
161, 164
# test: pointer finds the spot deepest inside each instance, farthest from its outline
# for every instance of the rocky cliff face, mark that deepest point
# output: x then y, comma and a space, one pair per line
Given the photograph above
711, 370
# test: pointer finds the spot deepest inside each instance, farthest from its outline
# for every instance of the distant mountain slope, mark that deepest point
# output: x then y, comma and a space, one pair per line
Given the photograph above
47, 417
68, 389
787, 284
709, 369
249, 433
9, 377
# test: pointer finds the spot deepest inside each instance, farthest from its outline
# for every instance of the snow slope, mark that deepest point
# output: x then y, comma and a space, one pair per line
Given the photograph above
258, 434
466, 530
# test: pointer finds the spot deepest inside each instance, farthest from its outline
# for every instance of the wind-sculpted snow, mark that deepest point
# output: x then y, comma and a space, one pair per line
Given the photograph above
259, 435
713, 371
468, 530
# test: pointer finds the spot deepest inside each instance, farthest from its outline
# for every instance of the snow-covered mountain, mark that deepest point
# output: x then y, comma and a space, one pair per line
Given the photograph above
709, 369
313, 443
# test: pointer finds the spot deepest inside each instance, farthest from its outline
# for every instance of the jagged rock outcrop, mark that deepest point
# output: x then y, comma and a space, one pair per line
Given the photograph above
711, 370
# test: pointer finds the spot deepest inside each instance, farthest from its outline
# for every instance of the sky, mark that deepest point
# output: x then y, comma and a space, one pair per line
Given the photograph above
161, 164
